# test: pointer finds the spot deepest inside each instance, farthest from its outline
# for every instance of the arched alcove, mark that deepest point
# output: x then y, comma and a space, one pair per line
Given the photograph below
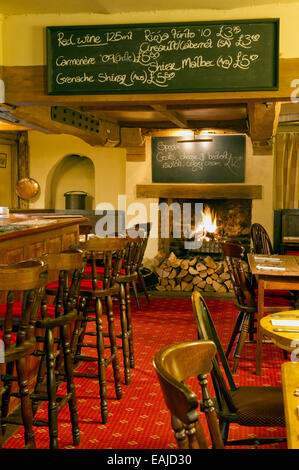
72, 173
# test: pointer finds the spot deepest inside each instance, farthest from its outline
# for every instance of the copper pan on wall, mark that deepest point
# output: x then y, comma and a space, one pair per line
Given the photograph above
27, 188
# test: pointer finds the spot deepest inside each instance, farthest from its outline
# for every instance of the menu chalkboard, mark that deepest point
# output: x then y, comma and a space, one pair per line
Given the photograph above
220, 161
163, 58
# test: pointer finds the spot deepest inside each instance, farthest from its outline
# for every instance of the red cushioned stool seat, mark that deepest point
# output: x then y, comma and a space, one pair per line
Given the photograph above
276, 301
17, 310
13, 337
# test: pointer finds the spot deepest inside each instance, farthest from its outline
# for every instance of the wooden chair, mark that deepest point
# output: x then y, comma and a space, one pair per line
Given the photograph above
261, 240
246, 300
96, 290
140, 231
27, 280
61, 315
174, 364
246, 405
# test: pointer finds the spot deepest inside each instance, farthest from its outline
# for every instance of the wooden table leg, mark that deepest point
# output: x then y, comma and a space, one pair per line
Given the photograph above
260, 314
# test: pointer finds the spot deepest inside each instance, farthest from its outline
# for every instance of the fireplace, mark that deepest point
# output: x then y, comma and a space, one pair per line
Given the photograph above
233, 220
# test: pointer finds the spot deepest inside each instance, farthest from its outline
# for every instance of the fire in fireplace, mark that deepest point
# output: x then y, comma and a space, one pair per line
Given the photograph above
222, 218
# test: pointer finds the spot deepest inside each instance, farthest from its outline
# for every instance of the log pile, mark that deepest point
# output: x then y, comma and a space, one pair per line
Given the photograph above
198, 273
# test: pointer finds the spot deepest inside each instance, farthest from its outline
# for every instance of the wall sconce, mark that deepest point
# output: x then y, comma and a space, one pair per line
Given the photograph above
201, 139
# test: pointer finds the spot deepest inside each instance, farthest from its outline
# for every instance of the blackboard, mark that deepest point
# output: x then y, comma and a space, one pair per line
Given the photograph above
163, 58
220, 161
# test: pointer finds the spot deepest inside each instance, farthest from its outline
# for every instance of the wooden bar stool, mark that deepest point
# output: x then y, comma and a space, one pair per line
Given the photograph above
59, 315
127, 279
25, 280
98, 290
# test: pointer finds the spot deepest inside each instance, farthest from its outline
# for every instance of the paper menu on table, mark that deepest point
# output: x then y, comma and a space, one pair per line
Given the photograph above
285, 322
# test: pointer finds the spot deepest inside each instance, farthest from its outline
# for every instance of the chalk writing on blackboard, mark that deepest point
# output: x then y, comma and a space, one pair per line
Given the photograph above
136, 58
222, 160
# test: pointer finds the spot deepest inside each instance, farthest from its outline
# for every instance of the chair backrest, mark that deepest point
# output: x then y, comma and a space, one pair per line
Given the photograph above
140, 230
234, 256
111, 252
261, 240
174, 364
70, 265
25, 280
133, 254
207, 331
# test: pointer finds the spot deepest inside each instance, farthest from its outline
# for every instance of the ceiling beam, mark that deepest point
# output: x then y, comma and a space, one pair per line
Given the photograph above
263, 121
173, 116
41, 118
27, 85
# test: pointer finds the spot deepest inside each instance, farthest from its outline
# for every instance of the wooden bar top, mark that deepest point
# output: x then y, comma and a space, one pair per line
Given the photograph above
16, 226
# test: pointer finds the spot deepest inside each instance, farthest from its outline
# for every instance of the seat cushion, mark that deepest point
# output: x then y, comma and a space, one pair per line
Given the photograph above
259, 406
86, 284
17, 310
100, 270
13, 337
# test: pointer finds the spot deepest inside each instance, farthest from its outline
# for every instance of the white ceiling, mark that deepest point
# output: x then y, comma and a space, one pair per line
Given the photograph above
18, 7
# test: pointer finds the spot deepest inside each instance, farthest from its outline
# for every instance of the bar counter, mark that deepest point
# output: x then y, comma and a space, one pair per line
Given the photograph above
27, 236
36, 239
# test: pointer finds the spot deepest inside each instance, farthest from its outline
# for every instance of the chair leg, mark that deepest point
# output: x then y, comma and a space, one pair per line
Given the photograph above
101, 360
234, 333
113, 347
241, 341
143, 285
124, 334
136, 294
224, 430
6, 395
68, 369
130, 325
39, 382
51, 389
26, 409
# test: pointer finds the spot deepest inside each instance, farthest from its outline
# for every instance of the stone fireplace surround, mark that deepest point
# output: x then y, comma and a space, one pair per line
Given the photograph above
232, 204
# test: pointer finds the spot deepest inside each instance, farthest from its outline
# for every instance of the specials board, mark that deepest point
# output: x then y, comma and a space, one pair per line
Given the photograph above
222, 160
163, 58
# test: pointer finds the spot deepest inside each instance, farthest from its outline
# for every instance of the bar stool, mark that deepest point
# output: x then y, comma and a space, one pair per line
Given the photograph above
27, 280
98, 289
59, 315
127, 279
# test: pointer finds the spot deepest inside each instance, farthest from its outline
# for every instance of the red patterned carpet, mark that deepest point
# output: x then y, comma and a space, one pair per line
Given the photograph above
140, 419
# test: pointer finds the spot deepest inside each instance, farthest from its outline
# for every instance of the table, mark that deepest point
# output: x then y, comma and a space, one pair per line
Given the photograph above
290, 383
285, 276
289, 371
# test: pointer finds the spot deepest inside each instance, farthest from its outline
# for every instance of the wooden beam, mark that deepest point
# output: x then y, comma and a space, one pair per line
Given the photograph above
26, 85
136, 154
199, 191
39, 118
173, 116
263, 122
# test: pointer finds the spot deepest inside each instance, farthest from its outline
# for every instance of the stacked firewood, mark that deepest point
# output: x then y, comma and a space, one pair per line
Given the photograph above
200, 273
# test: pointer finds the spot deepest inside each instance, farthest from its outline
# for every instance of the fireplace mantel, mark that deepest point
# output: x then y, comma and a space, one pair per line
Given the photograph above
199, 191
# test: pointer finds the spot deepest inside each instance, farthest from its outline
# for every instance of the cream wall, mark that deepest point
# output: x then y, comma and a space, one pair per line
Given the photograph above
47, 150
